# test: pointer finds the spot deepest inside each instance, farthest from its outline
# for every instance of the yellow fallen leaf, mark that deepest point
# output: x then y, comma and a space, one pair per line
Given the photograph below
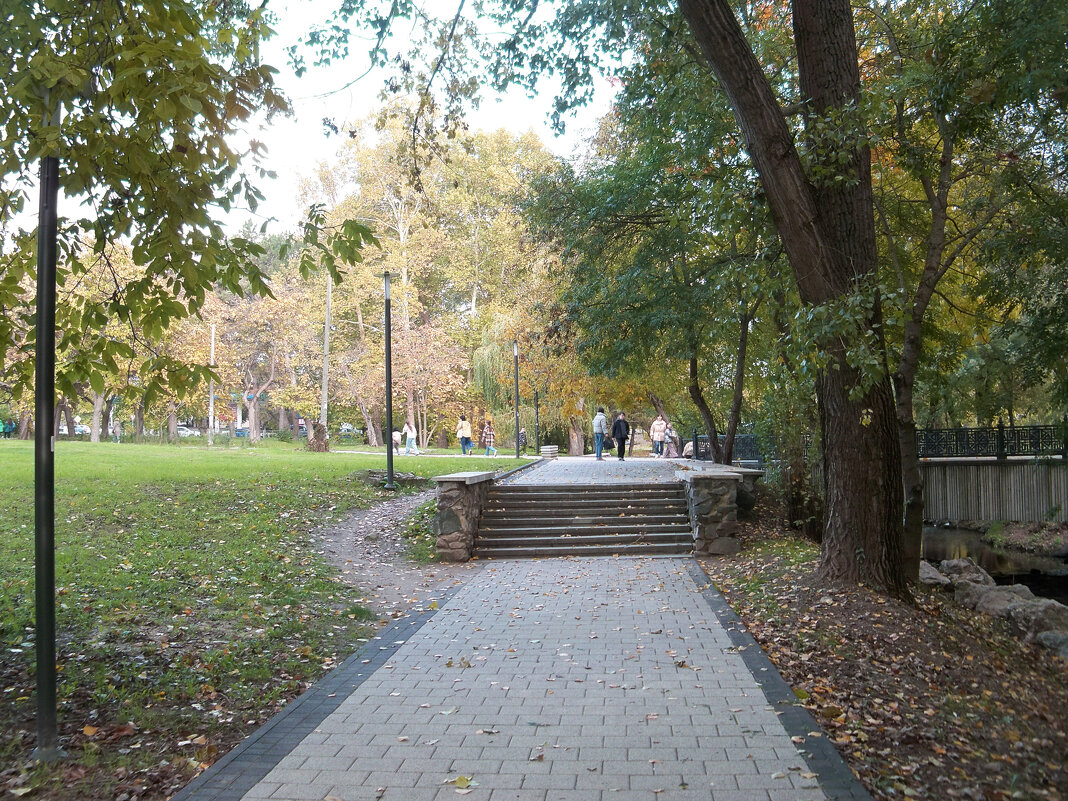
88, 731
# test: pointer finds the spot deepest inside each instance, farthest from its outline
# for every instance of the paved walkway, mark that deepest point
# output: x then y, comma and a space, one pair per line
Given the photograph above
601, 679
587, 470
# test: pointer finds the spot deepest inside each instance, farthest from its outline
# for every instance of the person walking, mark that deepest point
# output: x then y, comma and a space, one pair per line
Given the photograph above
463, 433
396, 442
600, 429
620, 433
522, 440
658, 431
489, 438
671, 449
409, 433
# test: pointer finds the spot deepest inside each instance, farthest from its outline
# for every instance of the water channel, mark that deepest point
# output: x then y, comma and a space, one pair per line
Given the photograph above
1045, 576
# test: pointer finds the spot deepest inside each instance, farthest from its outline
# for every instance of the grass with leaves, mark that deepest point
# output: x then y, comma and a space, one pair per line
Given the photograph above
192, 602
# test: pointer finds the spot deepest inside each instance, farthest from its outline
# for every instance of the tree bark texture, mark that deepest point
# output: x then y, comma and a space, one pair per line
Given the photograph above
828, 232
698, 398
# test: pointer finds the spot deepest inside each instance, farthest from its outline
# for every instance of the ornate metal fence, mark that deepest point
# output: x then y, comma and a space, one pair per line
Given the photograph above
999, 442
931, 443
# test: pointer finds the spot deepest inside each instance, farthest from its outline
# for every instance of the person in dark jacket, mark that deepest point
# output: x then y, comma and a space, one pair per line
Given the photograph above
620, 433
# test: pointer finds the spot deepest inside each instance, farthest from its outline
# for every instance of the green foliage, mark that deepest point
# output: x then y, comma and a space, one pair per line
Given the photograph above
143, 105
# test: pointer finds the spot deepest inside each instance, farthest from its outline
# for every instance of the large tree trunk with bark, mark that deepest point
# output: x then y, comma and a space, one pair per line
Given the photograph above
576, 437
68, 416
98, 417
827, 229
697, 395
25, 420
739, 385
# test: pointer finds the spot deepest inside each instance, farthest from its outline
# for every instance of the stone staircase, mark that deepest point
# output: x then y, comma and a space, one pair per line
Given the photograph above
590, 520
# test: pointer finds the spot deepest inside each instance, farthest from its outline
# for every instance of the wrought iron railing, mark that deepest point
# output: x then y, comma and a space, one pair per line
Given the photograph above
999, 442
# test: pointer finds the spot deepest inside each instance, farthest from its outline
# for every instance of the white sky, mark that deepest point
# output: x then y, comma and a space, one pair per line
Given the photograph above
296, 144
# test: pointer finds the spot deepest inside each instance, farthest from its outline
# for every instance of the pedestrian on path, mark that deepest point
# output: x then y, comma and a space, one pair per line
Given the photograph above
396, 441
620, 433
670, 440
463, 433
522, 440
409, 433
657, 432
600, 428
489, 438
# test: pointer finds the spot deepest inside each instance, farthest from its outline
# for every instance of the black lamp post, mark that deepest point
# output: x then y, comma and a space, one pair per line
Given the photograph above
389, 393
44, 478
515, 354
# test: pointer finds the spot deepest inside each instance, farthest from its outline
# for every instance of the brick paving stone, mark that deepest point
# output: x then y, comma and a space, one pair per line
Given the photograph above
598, 678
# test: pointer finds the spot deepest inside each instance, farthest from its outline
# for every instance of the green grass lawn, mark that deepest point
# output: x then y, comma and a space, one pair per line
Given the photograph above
191, 598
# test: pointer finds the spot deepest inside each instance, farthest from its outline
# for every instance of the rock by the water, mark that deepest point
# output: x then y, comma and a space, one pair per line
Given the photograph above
1056, 641
969, 593
929, 575
965, 570
997, 600
725, 546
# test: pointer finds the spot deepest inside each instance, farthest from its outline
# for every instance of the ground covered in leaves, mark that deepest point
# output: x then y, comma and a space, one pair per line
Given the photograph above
924, 701
193, 602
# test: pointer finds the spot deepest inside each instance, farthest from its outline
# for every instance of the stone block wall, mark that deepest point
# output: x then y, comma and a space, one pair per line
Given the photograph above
459, 507
712, 500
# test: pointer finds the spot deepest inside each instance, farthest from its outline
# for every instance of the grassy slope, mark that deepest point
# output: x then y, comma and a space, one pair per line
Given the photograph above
191, 599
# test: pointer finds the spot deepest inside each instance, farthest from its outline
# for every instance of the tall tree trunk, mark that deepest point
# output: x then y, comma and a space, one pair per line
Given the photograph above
658, 404
172, 422
739, 385
576, 437
370, 424
283, 419
139, 420
25, 421
68, 414
697, 395
98, 416
828, 232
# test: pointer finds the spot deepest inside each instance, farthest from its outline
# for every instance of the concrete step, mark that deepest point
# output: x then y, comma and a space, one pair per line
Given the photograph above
505, 519
578, 549
616, 528
672, 490
604, 519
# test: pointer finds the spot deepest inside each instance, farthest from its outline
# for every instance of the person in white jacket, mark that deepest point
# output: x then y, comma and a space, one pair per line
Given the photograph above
657, 432
600, 428
409, 438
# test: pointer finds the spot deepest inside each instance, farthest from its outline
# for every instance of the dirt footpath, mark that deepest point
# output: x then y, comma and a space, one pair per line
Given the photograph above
369, 550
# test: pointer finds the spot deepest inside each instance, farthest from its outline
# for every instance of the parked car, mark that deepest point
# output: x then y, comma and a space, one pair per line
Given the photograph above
241, 432
345, 428
81, 428
186, 431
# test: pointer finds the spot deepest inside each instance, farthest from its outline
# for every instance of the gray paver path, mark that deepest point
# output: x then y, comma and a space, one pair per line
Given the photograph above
552, 680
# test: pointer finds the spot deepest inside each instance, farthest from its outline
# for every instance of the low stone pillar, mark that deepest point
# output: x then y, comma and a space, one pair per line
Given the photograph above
712, 496
460, 500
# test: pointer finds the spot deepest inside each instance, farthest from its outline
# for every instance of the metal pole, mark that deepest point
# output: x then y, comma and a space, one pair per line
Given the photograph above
389, 393
211, 391
515, 354
44, 460
326, 347
537, 441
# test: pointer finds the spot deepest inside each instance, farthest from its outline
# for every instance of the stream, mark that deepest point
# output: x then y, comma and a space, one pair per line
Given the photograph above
1045, 576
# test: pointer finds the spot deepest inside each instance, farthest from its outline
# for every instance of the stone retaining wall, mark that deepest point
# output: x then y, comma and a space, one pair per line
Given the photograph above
460, 500
713, 496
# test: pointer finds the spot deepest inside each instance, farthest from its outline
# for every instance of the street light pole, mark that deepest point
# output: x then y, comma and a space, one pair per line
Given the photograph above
44, 456
515, 355
389, 391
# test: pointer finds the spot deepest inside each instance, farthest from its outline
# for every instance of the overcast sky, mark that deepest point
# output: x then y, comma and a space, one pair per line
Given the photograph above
296, 144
